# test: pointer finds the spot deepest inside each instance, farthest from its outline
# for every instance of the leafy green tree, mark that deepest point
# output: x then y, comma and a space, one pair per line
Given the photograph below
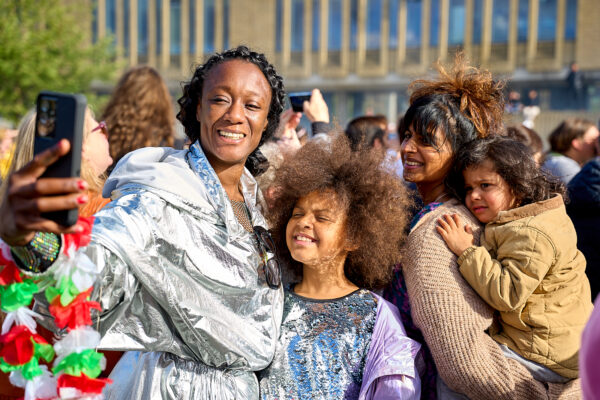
47, 45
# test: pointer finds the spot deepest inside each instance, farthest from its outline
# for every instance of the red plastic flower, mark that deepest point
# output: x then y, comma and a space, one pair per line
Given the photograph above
83, 383
17, 345
80, 239
10, 273
76, 313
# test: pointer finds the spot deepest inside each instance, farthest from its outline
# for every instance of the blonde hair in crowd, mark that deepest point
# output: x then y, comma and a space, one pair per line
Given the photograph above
24, 152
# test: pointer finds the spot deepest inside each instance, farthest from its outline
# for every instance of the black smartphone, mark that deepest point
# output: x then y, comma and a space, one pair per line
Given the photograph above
297, 100
60, 116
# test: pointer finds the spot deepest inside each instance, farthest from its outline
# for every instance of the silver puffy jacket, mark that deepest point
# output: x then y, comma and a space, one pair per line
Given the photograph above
182, 285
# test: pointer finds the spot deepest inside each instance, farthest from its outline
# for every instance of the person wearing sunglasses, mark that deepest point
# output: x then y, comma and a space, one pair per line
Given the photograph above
95, 158
188, 282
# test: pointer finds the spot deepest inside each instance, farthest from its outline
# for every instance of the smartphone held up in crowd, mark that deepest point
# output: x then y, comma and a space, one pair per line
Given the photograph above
60, 116
297, 100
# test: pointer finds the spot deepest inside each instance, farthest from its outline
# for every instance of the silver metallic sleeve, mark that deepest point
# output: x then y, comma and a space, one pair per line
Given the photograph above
168, 285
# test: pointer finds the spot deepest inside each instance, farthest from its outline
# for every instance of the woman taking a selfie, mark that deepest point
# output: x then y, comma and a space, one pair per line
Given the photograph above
186, 274
95, 160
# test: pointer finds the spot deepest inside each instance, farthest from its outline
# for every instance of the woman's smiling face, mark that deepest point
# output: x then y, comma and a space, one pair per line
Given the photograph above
233, 111
422, 162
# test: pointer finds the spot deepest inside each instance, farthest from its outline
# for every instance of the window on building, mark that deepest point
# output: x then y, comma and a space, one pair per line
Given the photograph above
571, 20
316, 24
175, 27
374, 14
547, 20
143, 27
393, 18
456, 23
111, 16
523, 21
192, 26
126, 27
209, 26
225, 24
353, 24
95, 25
297, 28
334, 39
434, 23
278, 24
413, 23
500, 21
478, 20
159, 35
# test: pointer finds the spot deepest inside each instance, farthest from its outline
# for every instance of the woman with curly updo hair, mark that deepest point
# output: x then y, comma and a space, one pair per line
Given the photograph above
338, 222
139, 113
186, 279
438, 307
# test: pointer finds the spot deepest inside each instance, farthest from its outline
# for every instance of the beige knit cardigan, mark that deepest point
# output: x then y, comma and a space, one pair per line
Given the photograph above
454, 320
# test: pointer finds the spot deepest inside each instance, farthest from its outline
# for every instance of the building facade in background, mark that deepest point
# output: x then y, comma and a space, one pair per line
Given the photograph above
363, 53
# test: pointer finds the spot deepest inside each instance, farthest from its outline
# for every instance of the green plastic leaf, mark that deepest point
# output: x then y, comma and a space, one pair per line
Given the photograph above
17, 295
87, 361
51, 293
29, 370
43, 350
68, 291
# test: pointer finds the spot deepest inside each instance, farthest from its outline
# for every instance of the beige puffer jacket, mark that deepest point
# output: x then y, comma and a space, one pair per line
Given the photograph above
528, 267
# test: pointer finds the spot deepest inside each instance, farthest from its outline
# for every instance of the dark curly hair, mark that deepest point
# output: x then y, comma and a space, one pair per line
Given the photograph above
376, 200
514, 162
139, 113
463, 102
192, 92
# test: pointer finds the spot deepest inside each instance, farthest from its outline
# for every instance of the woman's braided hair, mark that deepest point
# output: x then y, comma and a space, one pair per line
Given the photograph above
192, 93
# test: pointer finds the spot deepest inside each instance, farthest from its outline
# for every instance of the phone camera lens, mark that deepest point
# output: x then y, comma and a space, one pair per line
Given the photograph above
44, 106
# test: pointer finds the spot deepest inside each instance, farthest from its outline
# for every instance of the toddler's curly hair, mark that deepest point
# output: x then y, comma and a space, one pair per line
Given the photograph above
514, 162
375, 198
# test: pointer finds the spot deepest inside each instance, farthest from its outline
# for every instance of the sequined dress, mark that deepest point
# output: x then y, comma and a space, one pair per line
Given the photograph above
322, 349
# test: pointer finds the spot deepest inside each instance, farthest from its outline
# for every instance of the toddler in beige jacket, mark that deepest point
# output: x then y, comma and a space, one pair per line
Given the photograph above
528, 266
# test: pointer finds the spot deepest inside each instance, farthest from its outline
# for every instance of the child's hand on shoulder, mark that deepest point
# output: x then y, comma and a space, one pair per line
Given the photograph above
458, 236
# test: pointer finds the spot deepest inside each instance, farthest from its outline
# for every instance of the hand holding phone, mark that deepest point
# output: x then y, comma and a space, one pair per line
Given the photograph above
28, 196
316, 109
60, 116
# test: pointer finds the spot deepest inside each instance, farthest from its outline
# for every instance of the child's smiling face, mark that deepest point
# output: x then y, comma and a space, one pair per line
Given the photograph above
487, 193
316, 231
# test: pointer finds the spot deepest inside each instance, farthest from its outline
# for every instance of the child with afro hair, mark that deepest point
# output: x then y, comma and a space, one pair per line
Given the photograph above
338, 222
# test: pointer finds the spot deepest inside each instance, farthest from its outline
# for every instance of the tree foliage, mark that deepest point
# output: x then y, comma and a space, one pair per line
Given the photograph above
47, 45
